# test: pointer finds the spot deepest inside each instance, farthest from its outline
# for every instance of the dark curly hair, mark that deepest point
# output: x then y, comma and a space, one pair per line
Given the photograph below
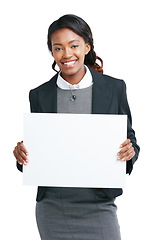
80, 27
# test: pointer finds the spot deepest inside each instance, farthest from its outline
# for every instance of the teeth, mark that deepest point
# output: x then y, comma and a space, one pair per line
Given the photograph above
69, 63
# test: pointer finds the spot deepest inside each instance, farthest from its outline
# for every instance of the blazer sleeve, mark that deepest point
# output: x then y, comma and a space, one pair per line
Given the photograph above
34, 107
124, 109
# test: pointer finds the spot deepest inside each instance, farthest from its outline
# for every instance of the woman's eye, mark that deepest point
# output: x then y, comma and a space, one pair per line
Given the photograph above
58, 49
75, 46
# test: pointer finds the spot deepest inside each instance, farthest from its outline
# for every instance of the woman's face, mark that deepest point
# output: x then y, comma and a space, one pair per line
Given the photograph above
69, 50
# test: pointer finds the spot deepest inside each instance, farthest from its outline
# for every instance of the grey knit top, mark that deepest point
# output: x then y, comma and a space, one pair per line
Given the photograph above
82, 104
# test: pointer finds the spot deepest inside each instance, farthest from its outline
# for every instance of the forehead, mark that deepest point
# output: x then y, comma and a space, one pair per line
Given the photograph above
65, 35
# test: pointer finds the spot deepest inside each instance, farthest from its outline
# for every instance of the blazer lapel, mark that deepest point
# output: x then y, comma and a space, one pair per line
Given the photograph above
102, 92
48, 96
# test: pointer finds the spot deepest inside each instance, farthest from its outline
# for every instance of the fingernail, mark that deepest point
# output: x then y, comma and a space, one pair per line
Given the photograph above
118, 158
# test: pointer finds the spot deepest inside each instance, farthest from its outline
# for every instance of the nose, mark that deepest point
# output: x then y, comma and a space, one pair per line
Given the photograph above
67, 53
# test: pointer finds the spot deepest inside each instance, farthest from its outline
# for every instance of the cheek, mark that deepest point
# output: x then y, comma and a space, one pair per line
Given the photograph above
80, 53
57, 56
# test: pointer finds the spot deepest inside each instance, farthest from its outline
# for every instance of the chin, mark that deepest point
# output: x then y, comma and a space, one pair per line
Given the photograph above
73, 71
70, 71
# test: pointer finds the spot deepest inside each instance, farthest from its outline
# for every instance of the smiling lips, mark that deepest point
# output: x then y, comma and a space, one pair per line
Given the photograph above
69, 63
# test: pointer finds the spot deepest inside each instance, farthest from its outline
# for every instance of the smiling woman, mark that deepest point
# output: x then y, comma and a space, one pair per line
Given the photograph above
69, 50
79, 213
81, 30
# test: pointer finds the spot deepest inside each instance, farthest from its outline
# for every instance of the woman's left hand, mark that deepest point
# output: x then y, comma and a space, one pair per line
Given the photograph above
127, 152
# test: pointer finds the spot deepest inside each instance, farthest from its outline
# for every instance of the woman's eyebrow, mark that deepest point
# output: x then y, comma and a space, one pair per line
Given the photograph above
57, 44
69, 42
74, 41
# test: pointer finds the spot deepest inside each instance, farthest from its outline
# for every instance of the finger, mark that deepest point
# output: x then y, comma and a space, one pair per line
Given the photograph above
19, 160
22, 148
129, 157
22, 151
125, 143
125, 154
14, 153
20, 156
124, 149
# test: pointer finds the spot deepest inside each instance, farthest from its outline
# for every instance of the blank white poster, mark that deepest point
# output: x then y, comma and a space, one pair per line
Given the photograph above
74, 150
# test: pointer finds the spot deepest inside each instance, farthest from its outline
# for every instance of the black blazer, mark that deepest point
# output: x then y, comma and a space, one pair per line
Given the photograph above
108, 97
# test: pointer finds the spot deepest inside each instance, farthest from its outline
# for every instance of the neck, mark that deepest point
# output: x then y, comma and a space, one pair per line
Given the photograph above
74, 78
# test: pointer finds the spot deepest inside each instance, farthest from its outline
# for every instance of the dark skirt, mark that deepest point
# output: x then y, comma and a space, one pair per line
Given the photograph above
77, 213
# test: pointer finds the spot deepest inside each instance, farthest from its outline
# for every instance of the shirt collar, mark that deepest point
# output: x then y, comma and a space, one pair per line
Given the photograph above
84, 83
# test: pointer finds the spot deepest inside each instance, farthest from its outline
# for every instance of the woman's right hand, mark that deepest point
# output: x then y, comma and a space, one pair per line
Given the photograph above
21, 153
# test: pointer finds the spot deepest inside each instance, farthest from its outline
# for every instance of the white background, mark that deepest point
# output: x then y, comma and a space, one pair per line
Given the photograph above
126, 35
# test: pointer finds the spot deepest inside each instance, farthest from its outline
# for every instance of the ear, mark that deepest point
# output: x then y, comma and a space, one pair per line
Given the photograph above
88, 48
52, 54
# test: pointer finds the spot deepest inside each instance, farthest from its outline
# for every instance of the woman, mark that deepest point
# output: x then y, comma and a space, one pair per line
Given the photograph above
78, 213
